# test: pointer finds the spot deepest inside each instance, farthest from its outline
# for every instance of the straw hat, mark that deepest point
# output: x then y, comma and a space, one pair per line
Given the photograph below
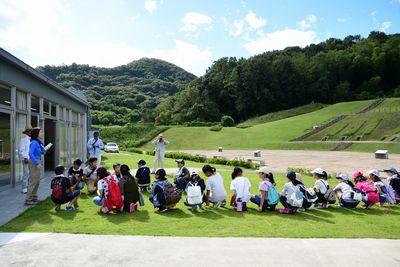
27, 130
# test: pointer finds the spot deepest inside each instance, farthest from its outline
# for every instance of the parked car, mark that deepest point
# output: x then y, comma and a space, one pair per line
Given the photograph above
111, 148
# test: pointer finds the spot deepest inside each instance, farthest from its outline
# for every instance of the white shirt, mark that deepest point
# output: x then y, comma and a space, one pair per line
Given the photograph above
160, 146
321, 186
394, 176
345, 189
288, 190
23, 147
241, 185
215, 184
88, 170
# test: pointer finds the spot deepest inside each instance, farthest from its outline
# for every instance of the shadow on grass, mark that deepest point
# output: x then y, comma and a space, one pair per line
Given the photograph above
176, 213
208, 214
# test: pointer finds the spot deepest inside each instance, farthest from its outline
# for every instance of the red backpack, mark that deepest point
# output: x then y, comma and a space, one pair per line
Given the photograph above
114, 200
56, 189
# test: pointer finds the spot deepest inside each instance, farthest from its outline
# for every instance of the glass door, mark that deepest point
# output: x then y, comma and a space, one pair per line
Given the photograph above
5, 149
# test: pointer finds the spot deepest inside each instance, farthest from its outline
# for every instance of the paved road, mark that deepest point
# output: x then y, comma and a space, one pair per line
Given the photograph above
103, 250
332, 161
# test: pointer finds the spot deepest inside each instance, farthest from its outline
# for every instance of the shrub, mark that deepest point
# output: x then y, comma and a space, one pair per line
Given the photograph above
216, 128
308, 172
219, 160
199, 124
227, 121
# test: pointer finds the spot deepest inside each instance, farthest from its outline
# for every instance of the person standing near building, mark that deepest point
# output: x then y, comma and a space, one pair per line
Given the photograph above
159, 150
36, 150
23, 153
95, 145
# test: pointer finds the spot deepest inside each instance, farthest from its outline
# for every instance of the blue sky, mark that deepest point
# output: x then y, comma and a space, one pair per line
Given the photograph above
189, 33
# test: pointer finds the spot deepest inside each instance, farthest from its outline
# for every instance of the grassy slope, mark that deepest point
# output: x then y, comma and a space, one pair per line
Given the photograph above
279, 115
272, 135
333, 222
373, 125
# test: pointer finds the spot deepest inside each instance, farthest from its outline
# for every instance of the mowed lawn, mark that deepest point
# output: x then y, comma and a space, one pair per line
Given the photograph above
271, 135
223, 222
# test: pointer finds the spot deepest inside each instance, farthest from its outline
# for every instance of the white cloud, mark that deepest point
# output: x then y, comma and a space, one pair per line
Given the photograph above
192, 21
255, 22
237, 28
373, 15
308, 22
187, 56
281, 39
35, 32
150, 5
385, 26
341, 20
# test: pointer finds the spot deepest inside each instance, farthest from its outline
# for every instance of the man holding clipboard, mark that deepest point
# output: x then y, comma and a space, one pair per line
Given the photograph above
95, 145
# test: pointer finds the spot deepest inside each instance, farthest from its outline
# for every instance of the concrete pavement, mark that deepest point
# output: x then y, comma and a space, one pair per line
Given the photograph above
111, 250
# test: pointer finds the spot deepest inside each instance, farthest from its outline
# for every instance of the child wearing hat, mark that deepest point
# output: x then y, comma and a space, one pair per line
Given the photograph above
379, 185
345, 192
267, 180
368, 191
394, 181
182, 175
321, 188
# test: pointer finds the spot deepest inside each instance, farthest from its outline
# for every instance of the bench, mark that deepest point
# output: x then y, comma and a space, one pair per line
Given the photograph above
382, 154
259, 161
257, 153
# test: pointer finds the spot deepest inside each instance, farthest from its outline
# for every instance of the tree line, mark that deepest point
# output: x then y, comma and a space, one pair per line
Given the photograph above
353, 68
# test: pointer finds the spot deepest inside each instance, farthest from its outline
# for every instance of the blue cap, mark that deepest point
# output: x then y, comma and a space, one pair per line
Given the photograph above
291, 175
393, 170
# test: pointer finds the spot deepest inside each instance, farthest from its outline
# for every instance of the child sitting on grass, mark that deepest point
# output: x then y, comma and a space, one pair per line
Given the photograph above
143, 175
62, 191
75, 174
90, 175
195, 198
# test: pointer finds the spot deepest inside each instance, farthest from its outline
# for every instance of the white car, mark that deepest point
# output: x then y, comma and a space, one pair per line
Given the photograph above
111, 148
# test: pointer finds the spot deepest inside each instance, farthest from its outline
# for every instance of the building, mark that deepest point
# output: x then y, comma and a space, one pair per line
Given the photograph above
27, 97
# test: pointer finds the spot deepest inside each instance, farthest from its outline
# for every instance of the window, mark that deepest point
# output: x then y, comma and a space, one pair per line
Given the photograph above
5, 96
5, 149
35, 104
53, 110
74, 118
35, 121
21, 100
46, 107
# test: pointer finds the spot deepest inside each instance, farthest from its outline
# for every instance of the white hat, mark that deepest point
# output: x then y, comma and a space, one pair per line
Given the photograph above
264, 170
374, 172
343, 176
319, 171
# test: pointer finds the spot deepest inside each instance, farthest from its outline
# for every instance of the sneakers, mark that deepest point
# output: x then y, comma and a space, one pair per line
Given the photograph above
301, 209
70, 208
285, 211
325, 206
30, 202
58, 208
24, 191
223, 203
161, 210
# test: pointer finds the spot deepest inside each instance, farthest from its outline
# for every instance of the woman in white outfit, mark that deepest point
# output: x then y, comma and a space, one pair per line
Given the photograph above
159, 149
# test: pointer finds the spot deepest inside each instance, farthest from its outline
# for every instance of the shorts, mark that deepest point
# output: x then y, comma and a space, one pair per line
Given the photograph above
67, 198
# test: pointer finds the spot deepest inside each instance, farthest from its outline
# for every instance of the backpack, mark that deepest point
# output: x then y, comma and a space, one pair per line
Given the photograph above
329, 195
309, 194
296, 198
57, 189
357, 194
390, 194
114, 200
172, 194
272, 195
194, 195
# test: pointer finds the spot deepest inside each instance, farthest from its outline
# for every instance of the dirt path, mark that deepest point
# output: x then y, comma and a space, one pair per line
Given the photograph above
332, 161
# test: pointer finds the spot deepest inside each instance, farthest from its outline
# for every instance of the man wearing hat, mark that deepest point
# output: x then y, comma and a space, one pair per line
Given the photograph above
23, 154
159, 151
95, 145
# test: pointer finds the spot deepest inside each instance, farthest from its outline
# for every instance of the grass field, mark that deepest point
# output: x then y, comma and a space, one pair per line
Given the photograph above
223, 222
272, 135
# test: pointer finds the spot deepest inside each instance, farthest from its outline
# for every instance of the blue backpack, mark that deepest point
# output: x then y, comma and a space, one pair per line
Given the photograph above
272, 195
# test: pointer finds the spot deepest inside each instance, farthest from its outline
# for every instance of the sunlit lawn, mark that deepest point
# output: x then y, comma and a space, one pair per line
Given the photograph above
223, 222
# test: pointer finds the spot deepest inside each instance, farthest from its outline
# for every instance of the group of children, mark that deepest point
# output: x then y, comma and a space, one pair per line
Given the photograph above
121, 191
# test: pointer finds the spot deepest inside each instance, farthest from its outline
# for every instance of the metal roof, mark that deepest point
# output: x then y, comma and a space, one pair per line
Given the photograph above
40, 76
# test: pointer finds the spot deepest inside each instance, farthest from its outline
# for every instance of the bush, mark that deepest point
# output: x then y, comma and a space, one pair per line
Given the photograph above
308, 172
227, 121
219, 160
199, 124
216, 128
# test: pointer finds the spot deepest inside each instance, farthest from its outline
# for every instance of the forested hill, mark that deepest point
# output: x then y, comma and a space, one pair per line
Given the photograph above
336, 70
125, 93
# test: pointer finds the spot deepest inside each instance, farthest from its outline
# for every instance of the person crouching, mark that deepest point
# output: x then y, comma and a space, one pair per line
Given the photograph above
62, 191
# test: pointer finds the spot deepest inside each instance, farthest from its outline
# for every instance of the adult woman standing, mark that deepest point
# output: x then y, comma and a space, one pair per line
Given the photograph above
36, 150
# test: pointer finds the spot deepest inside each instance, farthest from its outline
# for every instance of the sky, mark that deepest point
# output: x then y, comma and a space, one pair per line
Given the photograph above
189, 33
